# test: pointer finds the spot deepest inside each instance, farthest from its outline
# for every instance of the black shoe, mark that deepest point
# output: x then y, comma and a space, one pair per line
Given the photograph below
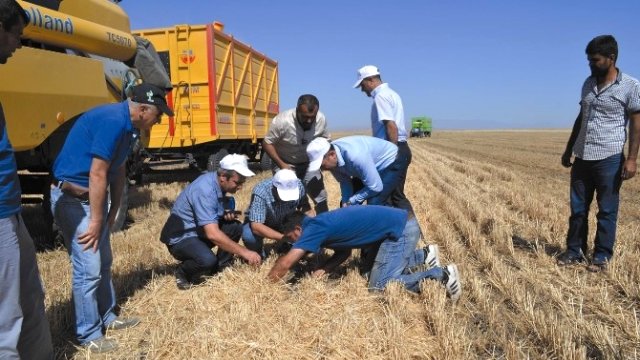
598, 265
567, 259
181, 280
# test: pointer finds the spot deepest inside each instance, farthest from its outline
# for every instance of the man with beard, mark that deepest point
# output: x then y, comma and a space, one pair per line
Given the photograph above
286, 143
610, 100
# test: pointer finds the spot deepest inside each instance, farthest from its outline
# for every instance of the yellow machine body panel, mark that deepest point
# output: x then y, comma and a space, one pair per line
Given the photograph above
222, 89
38, 98
45, 85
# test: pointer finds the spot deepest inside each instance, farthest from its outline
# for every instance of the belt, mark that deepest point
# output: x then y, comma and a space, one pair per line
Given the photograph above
71, 189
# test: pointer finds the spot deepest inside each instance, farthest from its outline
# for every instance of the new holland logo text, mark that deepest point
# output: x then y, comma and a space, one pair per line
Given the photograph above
36, 18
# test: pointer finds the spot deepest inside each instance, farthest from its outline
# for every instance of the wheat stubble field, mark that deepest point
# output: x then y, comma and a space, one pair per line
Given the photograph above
497, 205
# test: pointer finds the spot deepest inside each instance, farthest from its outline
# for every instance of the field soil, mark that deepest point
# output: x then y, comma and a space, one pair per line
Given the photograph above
496, 202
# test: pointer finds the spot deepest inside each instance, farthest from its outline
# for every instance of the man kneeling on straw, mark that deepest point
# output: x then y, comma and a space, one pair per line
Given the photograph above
359, 226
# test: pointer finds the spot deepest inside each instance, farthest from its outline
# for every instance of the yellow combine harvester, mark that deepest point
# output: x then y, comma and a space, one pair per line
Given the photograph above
77, 54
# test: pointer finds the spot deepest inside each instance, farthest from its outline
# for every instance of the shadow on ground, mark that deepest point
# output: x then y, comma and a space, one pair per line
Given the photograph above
61, 315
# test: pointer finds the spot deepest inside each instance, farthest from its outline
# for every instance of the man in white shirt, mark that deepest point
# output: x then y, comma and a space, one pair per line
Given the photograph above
387, 122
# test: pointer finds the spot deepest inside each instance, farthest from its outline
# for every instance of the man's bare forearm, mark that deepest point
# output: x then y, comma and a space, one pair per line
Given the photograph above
574, 133
273, 154
634, 136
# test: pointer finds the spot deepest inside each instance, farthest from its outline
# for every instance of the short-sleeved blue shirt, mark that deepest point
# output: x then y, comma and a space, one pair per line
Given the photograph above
9, 183
105, 132
200, 203
351, 227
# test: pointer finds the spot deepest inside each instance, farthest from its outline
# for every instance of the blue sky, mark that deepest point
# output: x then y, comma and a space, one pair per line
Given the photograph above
467, 64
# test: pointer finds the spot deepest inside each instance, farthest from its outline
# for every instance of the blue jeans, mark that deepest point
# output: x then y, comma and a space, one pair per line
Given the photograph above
24, 330
603, 178
196, 256
252, 241
94, 298
396, 257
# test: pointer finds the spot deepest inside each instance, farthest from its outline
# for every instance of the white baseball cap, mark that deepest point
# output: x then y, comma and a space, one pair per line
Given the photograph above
316, 151
286, 183
365, 72
237, 163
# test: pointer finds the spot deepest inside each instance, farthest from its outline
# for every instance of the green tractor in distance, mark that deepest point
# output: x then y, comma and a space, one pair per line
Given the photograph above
420, 126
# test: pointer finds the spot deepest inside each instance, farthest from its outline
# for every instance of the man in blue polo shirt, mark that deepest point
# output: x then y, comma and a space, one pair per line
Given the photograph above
24, 330
92, 159
198, 222
271, 201
387, 123
361, 226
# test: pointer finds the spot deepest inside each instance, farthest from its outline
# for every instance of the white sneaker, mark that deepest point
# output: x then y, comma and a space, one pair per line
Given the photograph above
431, 256
452, 282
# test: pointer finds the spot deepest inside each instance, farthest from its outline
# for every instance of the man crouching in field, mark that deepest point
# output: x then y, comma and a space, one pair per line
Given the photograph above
360, 226
610, 100
198, 222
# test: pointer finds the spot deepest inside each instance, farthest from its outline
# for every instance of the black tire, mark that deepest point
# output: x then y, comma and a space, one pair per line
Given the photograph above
213, 163
266, 163
121, 216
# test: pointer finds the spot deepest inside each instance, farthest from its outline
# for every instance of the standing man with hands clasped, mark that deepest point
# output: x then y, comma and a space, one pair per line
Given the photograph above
286, 143
610, 101
92, 159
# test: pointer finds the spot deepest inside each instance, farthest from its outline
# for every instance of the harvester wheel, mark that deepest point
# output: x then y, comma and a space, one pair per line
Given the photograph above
213, 163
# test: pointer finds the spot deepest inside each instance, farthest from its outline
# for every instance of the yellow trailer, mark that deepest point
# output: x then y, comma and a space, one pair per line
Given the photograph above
224, 94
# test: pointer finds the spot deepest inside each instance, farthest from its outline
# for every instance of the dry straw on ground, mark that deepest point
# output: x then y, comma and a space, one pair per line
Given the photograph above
495, 202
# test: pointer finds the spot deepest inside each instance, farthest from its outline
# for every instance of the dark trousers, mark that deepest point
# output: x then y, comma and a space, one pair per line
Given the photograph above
393, 178
196, 255
601, 177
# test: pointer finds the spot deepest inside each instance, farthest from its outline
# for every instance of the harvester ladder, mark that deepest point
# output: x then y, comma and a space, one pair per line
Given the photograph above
183, 37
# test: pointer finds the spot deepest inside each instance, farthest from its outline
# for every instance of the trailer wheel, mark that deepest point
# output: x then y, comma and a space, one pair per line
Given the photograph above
266, 162
213, 163
121, 216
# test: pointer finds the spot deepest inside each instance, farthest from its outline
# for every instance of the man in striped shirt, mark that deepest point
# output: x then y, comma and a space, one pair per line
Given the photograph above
610, 100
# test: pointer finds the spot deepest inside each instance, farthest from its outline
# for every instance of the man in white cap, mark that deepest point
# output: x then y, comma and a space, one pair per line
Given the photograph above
199, 221
365, 167
91, 166
271, 201
387, 122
